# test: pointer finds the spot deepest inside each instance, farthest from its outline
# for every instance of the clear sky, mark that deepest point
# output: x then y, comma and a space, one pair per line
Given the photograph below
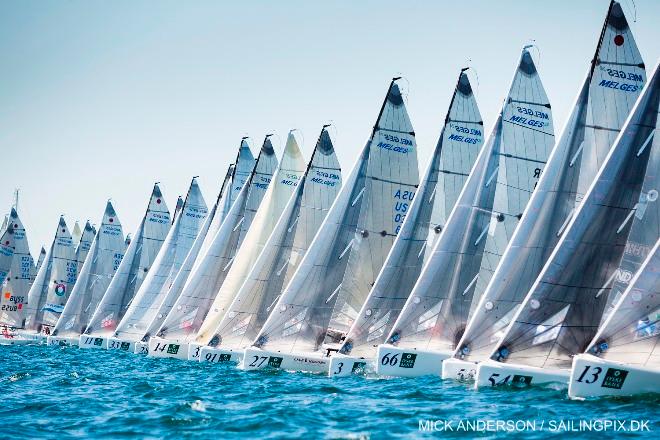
99, 99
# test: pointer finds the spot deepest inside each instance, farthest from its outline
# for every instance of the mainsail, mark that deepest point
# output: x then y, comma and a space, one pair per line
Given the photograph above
84, 244
631, 334
40, 260
598, 114
212, 265
481, 224
6, 251
134, 267
334, 278
54, 281
284, 249
170, 257
286, 179
16, 284
105, 255
214, 220
76, 233
562, 311
460, 140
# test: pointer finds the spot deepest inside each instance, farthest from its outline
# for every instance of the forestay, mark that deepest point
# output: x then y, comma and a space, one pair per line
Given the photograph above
134, 267
291, 237
597, 116
563, 309
105, 255
54, 281
286, 179
167, 264
213, 263
461, 138
17, 282
487, 212
334, 278
209, 229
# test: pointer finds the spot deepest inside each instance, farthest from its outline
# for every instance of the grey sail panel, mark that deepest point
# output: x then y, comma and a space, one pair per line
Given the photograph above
55, 280
40, 260
632, 334
286, 179
16, 284
6, 251
167, 264
563, 309
460, 140
134, 267
105, 256
483, 220
595, 120
216, 256
284, 250
336, 274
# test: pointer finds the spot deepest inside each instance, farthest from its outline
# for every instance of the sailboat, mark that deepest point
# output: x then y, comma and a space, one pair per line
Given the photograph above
213, 263
130, 274
84, 245
234, 180
322, 300
563, 309
131, 329
6, 258
478, 229
16, 284
460, 140
40, 260
597, 116
623, 357
280, 256
104, 257
52, 286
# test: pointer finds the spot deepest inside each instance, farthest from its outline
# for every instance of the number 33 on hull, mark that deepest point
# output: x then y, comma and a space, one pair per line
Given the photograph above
592, 376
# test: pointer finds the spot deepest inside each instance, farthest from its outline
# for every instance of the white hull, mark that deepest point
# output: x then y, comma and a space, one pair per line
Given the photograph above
164, 348
592, 377
93, 342
63, 340
195, 351
456, 369
491, 373
34, 338
342, 365
15, 340
221, 355
141, 347
407, 362
257, 359
121, 344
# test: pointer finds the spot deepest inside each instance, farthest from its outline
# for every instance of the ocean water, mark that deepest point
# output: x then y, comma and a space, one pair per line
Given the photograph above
63, 392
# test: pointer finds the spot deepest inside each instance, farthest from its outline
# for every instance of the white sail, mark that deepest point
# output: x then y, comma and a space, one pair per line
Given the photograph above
213, 263
40, 260
105, 255
17, 282
631, 335
6, 251
286, 179
284, 249
487, 212
597, 117
84, 244
562, 311
133, 268
76, 233
335, 276
54, 282
209, 229
460, 140
170, 257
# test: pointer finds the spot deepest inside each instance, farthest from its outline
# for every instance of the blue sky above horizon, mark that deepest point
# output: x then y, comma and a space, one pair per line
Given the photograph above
100, 99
